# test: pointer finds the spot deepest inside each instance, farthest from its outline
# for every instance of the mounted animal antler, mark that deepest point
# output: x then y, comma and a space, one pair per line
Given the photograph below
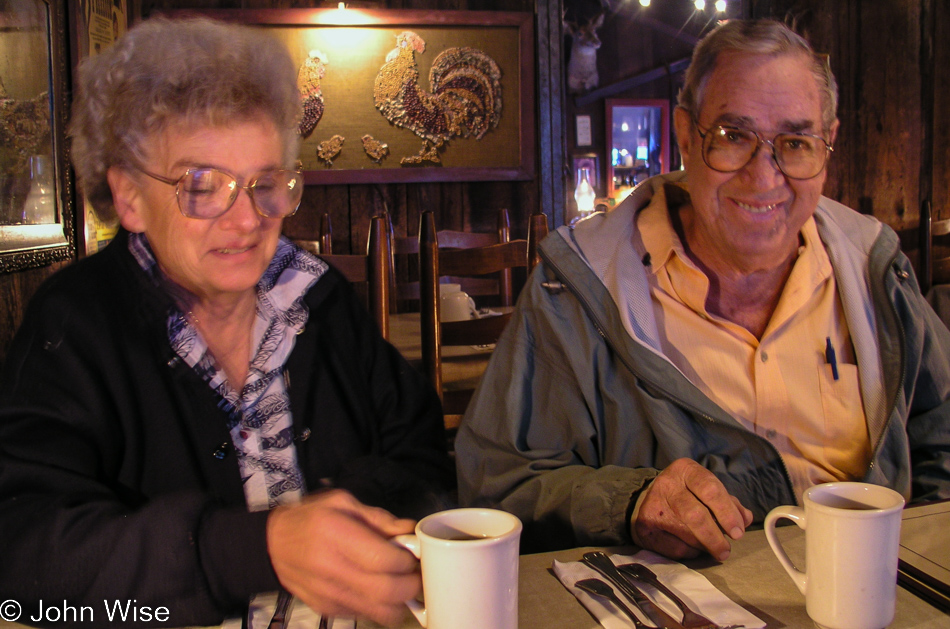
582, 67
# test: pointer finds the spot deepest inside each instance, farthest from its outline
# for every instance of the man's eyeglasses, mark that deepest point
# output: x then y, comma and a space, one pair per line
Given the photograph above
797, 155
207, 193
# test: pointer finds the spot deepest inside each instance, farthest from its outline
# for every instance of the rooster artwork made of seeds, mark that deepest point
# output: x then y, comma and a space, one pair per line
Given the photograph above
464, 97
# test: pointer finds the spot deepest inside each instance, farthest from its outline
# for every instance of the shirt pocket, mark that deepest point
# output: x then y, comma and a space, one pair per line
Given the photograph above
846, 446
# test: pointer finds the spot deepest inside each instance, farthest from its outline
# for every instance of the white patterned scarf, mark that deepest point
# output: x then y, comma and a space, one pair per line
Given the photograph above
259, 416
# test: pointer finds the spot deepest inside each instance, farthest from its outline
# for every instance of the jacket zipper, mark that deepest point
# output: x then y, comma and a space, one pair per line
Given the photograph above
623, 358
891, 266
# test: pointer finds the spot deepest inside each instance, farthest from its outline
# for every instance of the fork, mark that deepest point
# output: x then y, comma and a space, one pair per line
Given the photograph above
691, 619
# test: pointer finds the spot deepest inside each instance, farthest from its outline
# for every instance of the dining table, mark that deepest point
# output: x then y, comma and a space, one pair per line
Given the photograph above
752, 577
462, 365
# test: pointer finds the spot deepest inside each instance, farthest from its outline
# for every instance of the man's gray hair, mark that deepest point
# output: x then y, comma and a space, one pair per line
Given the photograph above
163, 72
766, 37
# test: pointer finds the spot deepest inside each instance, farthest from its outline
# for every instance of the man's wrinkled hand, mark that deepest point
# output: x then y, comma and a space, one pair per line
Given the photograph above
686, 510
334, 553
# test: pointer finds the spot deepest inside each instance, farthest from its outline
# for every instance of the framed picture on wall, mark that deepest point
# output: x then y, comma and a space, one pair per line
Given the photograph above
408, 95
93, 27
638, 142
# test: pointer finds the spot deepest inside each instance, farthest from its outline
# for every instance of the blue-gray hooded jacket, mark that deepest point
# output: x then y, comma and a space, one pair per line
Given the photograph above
574, 416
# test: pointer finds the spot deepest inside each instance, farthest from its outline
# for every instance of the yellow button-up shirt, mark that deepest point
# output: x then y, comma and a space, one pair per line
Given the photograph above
783, 387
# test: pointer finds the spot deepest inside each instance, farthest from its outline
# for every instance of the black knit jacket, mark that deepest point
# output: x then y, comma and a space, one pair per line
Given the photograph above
117, 476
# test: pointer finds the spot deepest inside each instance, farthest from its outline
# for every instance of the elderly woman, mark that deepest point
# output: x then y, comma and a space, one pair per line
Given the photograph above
175, 408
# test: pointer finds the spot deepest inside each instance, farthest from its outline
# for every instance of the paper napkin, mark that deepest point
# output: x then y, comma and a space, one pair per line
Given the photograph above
299, 616
693, 588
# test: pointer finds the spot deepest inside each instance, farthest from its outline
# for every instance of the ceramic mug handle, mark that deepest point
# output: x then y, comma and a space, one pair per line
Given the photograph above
796, 515
411, 543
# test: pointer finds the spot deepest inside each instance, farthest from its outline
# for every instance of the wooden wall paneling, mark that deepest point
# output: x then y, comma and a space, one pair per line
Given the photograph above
16, 289
836, 33
876, 168
360, 212
552, 142
892, 110
940, 182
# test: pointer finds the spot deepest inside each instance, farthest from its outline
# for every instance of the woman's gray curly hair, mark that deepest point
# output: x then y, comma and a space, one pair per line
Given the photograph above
162, 72
766, 37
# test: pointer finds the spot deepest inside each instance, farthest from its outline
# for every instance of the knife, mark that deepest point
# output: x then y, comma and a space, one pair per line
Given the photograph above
601, 562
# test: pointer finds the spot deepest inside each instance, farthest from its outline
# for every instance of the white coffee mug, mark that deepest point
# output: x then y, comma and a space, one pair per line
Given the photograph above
852, 534
469, 563
456, 305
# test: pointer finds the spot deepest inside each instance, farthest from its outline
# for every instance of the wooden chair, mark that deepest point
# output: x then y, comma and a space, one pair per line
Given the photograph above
436, 262
373, 268
934, 250
407, 249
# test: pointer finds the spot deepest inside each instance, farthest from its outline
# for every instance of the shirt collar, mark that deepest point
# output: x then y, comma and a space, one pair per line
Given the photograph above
667, 255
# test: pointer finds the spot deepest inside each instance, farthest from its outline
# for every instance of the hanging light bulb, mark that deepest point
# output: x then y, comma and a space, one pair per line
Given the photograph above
644, 3
700, 5
721, 6
584, 193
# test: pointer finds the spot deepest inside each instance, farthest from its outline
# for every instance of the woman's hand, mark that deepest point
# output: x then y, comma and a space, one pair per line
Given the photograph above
334, 553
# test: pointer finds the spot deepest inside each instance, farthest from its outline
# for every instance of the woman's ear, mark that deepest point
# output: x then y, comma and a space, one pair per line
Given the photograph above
127, 199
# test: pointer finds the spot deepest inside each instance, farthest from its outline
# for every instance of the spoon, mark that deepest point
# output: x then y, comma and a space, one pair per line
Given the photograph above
601, 589
691, 620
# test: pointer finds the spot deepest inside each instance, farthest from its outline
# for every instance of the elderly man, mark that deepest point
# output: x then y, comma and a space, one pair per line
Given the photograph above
721, 341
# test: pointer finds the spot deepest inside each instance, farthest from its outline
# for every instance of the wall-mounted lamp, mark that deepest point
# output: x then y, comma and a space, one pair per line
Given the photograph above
584, 194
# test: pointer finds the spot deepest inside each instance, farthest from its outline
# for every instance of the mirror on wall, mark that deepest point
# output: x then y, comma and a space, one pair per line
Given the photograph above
35, 183
638, 142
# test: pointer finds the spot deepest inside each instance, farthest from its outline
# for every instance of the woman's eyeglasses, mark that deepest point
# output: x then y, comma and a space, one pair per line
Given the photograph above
207, 193
797, 155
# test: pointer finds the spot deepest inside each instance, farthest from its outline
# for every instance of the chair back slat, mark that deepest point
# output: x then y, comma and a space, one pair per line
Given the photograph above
484, 331
483, 260
373, 268
354, 268
450, 239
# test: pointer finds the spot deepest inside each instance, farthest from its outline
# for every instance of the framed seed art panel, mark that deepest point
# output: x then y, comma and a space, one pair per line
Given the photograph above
408, 95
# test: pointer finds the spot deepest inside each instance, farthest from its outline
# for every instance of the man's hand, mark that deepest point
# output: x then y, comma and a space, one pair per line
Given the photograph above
687, 509
334, 553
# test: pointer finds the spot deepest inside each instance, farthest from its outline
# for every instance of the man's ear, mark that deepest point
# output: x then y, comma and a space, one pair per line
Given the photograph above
127, 199
683, 126
833, 132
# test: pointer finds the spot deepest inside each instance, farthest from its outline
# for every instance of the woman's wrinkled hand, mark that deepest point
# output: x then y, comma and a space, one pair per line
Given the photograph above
334, 553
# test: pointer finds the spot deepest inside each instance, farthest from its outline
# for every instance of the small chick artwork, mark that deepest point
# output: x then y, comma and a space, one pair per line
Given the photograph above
329, 149
375, 150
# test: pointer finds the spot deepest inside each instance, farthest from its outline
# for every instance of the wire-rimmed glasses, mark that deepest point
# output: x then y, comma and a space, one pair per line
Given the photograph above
798, 155
207, 193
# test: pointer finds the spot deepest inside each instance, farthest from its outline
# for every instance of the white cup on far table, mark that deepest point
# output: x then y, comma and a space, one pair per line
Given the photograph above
469, 561
455, 304
852, 535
